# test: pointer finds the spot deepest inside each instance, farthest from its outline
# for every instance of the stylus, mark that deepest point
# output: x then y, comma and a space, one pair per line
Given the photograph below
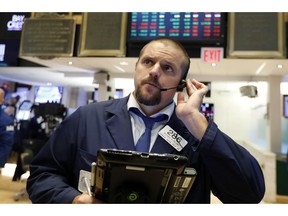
93, 177
87, 186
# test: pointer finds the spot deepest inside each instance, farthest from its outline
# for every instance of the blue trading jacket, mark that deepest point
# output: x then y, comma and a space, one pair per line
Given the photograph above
223, 166
6, 136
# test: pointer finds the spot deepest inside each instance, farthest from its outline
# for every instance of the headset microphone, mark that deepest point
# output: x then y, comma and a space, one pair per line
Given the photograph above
180, 87
166, 89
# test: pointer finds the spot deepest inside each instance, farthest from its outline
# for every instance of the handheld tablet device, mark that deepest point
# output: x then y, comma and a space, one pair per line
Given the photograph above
139, 177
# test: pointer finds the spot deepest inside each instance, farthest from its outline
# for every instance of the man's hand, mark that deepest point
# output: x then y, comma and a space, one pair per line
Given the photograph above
188, 111
85, 199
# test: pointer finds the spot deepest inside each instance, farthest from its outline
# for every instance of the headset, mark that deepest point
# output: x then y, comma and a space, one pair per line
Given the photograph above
181, 85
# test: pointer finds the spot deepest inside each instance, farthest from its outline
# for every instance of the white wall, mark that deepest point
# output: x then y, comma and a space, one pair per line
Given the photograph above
240, 117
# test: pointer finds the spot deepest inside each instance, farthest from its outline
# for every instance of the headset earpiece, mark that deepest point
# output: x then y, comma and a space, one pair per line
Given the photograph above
181, 85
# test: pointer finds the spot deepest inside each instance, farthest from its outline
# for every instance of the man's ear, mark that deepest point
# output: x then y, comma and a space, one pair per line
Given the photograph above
136, 63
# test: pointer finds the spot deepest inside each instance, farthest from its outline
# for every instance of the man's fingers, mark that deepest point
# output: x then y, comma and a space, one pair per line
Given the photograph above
180, 97
190, 88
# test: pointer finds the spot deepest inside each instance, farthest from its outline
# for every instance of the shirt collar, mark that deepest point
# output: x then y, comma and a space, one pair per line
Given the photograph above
168, 110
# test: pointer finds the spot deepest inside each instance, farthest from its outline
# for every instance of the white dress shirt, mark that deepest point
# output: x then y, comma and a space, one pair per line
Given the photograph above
138, 126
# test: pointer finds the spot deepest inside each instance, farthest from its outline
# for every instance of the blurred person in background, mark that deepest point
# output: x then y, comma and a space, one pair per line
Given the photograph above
6, 132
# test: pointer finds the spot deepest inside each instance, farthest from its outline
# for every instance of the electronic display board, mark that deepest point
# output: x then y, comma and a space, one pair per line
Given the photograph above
197, 27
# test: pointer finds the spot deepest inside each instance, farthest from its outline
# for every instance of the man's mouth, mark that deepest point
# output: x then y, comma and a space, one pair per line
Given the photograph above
153, 84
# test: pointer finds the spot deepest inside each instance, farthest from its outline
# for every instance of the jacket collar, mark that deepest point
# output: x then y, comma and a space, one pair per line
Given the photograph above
119, 125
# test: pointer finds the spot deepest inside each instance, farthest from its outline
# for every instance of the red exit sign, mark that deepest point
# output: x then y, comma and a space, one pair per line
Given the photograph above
211, 54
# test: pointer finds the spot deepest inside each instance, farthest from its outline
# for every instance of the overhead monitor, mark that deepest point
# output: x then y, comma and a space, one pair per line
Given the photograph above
192, 29
48, 37
257, 35
184, 26
103, 34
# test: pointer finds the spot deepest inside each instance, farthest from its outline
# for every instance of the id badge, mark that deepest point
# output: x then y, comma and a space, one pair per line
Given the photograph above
173, 138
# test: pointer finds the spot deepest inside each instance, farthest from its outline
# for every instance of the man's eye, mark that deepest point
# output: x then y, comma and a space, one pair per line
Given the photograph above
147, 61
167, 68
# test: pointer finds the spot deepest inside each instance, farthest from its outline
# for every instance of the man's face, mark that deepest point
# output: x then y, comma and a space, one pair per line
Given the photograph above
1, 96
158, 67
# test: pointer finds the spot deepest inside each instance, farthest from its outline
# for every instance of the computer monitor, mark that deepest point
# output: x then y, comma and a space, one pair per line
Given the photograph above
207, 109
285, 106
24, 110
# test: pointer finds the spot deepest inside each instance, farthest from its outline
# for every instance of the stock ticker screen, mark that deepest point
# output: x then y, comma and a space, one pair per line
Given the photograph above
184, 26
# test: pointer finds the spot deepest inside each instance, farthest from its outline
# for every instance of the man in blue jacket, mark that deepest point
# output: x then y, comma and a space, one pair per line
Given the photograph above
6, 132
223, 166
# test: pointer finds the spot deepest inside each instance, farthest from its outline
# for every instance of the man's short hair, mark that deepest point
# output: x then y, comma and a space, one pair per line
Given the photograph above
186, 66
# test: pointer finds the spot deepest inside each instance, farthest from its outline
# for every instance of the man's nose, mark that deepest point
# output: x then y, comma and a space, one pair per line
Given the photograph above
155, 70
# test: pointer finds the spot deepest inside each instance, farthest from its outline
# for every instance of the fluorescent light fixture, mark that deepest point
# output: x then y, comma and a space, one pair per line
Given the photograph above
119, 68
261, 68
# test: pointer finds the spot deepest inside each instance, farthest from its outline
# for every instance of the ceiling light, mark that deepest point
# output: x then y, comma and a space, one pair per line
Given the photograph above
70, 62
279, 66
123, 63
213, 64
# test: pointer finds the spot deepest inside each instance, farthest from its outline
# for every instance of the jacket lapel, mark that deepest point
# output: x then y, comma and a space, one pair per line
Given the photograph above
119, 125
